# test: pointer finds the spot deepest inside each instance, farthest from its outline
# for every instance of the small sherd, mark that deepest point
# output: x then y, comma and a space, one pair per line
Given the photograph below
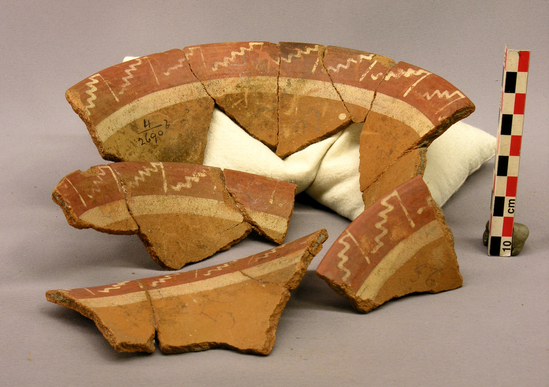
399, 245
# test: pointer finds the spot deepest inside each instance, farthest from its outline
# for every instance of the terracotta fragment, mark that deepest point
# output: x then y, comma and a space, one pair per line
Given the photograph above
399, 245
151, 108
182, 212
309, 107
263, 202
236, 305
411, 109
406, 167
158, 107
242, 79
356, 76
94, 198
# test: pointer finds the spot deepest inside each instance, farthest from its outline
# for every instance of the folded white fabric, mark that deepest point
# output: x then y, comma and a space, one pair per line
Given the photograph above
328, 170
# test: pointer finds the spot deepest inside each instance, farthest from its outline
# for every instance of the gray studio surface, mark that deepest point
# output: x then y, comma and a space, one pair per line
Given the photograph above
491, 332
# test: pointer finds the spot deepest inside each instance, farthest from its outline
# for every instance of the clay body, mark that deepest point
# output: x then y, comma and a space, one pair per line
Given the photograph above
182, 212
235, 305
399, 245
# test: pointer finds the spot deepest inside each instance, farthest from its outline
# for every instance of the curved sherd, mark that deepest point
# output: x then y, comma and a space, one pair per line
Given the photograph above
412, 107
242, 79
234, 305
263, 202
399, 245
94, 198
149, 108
309, 107
182, 212
121, 311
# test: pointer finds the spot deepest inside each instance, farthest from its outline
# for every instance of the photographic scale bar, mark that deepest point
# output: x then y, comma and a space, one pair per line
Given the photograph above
509, 140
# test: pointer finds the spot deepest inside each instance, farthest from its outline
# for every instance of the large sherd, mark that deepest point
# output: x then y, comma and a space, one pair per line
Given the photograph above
412, 107
399, 245
235, 305
309, 107
182, 212
242, 79
151, 108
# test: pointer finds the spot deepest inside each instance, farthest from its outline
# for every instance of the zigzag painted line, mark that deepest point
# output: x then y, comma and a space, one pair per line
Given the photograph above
383, 214
300, 52
146, 172
234, 54
91, 92
256, 258
349, 61
163, 279
217, 268
191, 49
97, 181
445, 94
377, 76
407, 74
342, 66
380, 225
129, 71
177, 66
189, 180
114, 287
344, 258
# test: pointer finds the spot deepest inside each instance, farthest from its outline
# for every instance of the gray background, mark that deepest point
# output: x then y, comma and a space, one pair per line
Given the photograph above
491, 332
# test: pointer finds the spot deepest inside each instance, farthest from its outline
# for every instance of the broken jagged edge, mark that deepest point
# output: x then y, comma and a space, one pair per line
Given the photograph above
235, 305
182, 212
399, 245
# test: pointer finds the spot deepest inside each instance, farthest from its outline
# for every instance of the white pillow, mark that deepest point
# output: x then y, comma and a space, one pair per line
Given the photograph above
328, 170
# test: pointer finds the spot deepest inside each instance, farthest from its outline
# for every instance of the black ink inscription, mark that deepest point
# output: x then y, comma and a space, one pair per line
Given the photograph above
150, 132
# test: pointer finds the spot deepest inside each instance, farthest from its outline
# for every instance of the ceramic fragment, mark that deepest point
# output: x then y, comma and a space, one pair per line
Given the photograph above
94, 198
411, 109
235, 305
262, 201
182, 212
242, 79
158, 107
356, 76
406, 167
309, 107
150, 108
399, 245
